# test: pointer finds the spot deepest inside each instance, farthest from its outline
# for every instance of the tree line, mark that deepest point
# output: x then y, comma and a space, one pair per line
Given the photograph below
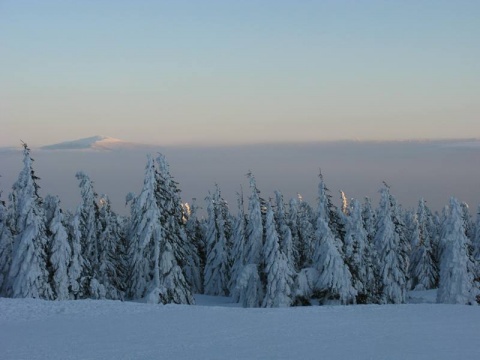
267, 253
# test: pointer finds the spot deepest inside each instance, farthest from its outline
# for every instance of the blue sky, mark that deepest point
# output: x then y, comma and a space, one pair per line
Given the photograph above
221, 72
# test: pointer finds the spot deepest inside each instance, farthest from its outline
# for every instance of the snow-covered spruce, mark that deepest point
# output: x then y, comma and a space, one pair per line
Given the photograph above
217, 266
59, 252
387, 240
6, 245
279, 289
456, 276
28, 274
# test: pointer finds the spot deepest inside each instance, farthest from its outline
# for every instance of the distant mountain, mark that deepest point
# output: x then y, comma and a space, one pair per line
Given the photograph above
98, 142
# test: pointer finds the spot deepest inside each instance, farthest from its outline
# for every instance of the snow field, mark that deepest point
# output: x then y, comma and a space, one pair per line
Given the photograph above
87, 329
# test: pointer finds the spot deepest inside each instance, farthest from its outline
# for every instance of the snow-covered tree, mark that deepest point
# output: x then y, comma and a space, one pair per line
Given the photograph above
6, 245
59, 252
306, 232
111, 251
476, 245
335, 280
154, 271
279, 292
284, 232
254, 234
28, 274
249, 286
387, 240
456, 276
357, 255
88, 233
237, 251
197, 257
217, 267
423, 268
145, 235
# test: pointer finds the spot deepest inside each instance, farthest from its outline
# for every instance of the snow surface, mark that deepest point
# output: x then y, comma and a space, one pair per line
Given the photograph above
96, 329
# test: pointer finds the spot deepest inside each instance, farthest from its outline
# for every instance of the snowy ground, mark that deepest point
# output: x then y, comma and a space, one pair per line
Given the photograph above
34, 329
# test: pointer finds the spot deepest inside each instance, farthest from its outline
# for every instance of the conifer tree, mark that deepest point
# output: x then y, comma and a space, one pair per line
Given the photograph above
476, 246
89, 234
423, 269
238, 244
356, 253
250, 284
387, 240
335, 280
6, 245
279, 292
146, 235
285, 234
197, 257
58, 252
28, 274
456, 277
217, 267
111, 251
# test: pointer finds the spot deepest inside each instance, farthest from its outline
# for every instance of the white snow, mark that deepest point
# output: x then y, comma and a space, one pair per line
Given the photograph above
97, 329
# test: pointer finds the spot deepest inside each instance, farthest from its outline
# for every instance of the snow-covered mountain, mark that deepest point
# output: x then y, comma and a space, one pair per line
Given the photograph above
98, 142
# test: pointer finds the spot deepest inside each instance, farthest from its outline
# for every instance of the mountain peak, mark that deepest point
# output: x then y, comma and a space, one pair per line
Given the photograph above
97, 142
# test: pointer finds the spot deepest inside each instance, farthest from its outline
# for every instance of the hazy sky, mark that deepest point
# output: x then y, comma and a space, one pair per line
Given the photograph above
176, 72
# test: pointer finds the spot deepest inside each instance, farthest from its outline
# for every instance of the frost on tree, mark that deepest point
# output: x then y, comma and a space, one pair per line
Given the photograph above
334, 281
393, 281
6, 244
111, 251
476, 246
423, 268
172, 220
59, 251
87, 231
279, 289
284, 232
28, 275
145, 236
456, 276
217, 267
249, 287
254, 234
237, 255
196, 262
154, 272
357, 255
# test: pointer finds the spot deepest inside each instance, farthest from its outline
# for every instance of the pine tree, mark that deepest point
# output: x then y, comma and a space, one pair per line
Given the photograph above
76, 270
28, 274
237, 251
279, 274
155, 237
423, 269
89, 233
254, 243
146, 235
356, 254
197, 257
110, 251
456, 277
387, 240
335, 280
293, 224
476, 246
306, 232
285, 234
6, 246
59, 252
250, 283
217, 267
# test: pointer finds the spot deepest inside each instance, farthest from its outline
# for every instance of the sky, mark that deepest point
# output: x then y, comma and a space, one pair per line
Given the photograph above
237, 72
